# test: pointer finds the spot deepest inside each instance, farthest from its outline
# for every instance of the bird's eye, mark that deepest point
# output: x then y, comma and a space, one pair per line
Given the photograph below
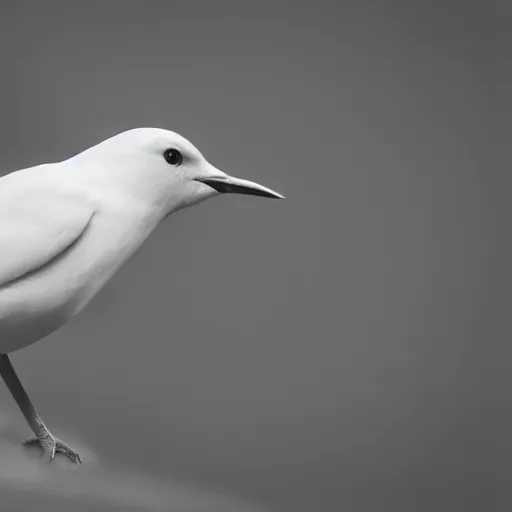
173, 156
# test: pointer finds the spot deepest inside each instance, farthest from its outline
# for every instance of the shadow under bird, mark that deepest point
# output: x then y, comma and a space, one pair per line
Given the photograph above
67, 227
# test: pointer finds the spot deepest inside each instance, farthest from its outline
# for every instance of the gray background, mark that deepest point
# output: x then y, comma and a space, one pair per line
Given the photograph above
342, 350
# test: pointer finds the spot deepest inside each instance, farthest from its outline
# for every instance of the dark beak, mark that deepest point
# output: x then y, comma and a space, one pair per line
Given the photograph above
230, 185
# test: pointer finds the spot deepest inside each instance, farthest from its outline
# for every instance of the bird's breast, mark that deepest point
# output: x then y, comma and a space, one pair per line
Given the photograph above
39, 303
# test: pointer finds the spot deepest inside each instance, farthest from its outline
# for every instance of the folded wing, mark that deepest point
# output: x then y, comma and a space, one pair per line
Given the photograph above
39, 220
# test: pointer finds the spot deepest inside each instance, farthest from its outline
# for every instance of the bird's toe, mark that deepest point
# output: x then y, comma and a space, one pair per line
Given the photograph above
69, 452
46, 442
51, 445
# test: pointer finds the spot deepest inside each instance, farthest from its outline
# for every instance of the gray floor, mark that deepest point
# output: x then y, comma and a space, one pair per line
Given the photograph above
28, 483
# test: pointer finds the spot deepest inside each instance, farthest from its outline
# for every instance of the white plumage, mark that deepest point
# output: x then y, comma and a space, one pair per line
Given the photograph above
66, 228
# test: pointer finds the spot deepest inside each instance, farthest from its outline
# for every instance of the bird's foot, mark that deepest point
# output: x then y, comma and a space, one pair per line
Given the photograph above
52, 445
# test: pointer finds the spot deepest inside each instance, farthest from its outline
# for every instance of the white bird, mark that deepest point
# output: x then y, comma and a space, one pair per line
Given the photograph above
67, 227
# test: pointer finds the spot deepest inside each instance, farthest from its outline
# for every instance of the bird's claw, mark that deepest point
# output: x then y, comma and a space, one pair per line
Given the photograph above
52, 445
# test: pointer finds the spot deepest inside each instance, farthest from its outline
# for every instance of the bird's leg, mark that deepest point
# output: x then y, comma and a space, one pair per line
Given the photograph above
49, 443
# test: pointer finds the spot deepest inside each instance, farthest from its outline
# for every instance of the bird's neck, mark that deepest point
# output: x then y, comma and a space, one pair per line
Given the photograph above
111, 183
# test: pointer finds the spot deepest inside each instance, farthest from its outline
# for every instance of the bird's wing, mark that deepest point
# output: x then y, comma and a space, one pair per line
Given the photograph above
38, 221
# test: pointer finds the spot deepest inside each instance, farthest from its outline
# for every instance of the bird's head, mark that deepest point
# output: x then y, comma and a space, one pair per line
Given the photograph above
162, 167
